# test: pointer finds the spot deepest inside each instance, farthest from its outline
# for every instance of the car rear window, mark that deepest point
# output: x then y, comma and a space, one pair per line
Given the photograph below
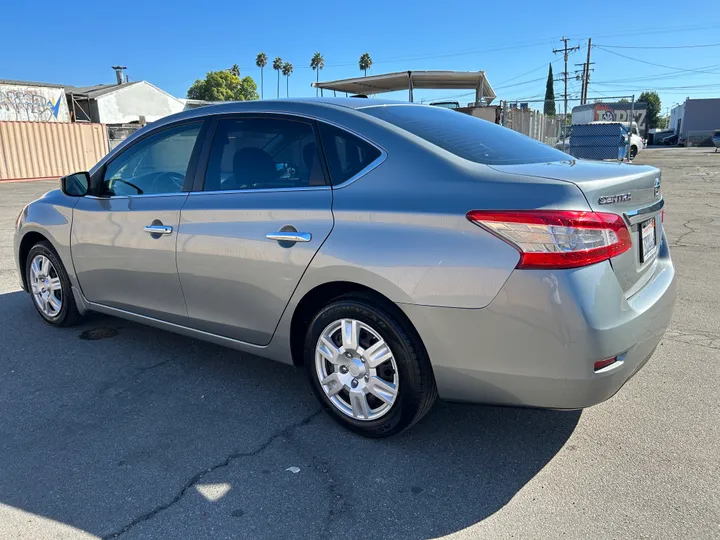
466, 136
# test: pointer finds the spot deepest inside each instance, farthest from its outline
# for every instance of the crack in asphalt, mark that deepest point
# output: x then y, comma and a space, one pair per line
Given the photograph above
196, 478
687, 226
136, 373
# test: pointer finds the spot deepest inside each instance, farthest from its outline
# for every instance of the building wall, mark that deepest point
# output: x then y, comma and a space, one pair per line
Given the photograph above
49, 149
128, 104
677, 114
33, 103
702, 117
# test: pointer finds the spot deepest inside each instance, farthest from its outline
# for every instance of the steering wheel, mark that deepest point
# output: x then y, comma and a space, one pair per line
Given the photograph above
168, 179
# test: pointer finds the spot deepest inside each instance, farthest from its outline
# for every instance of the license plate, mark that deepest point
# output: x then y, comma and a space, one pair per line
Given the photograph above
648, 245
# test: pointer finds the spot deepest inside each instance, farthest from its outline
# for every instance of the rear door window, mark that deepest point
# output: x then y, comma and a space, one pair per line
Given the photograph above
346, 154
466, 136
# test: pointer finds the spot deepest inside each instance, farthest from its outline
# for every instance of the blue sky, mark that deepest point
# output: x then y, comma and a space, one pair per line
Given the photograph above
172, 44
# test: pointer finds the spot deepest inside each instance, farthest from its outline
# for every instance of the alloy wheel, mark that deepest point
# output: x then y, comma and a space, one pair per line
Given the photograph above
356, 369
46, 286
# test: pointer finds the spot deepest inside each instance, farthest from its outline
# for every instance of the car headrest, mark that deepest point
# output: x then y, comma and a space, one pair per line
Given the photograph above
253, 166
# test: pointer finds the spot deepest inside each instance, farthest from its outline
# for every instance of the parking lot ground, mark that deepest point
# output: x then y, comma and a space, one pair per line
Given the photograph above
146, 434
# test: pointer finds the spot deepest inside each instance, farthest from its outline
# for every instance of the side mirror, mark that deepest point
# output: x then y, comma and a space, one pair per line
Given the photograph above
75, 185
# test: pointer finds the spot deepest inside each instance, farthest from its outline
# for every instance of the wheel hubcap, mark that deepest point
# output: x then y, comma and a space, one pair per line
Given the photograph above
46, 286
356, 369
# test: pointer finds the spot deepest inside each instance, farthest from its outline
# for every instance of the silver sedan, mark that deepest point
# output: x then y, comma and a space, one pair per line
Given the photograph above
398, 252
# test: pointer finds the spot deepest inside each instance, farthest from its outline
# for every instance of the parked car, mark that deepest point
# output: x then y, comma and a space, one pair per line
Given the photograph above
399, 253
670, 140
716, 139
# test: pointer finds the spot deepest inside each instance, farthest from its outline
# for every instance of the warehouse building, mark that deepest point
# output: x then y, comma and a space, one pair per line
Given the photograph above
695, 120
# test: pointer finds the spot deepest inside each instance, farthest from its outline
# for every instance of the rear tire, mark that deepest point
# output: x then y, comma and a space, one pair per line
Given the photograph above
49, 286
379, 380
633, 152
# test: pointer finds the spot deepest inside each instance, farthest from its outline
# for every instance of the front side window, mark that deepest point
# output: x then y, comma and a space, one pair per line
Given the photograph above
346, 154
263, 153
155, 165
466, 136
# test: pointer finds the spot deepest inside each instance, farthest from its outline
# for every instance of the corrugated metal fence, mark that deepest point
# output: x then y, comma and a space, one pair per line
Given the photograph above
49, 149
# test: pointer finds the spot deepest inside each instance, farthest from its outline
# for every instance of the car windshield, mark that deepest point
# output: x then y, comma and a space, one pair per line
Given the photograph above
466, 136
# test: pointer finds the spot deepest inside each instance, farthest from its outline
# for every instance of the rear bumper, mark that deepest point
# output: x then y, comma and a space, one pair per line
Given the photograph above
537, 342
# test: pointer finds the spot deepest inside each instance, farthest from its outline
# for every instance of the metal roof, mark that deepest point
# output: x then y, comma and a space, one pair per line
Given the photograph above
409, 80
97, 90
29, 83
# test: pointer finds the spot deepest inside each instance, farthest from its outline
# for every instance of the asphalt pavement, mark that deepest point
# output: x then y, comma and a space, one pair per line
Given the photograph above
113, 429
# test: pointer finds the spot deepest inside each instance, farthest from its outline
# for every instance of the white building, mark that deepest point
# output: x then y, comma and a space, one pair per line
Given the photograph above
125, 103
32, 102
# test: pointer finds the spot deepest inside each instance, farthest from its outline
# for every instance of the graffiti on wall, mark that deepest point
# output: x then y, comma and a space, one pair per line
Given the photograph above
32, 104
612, 112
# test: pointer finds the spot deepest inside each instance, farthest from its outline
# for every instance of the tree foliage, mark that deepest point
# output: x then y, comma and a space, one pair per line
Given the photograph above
261, 60
550, 94
223, 86
365, 62
235, 70
653, 107
317, 62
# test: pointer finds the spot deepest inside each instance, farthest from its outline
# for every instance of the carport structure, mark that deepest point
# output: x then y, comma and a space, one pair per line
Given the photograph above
410, 80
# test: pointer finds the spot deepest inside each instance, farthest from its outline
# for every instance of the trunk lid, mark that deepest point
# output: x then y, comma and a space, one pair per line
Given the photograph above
632, 191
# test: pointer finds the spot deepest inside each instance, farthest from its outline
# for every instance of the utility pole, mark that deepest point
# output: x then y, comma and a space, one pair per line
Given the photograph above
587, 71
565, 50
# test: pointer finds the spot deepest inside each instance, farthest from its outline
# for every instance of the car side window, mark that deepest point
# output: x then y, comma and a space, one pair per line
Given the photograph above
346, 154
263, 153
155, 165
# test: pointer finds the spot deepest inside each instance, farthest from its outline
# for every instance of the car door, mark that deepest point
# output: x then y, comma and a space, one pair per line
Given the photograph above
253, 224
123, 238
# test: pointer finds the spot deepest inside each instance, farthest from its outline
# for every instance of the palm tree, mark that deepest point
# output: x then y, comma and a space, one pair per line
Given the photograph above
287, 69
277, 66
261, 62
317, 62
365, 62
235, 70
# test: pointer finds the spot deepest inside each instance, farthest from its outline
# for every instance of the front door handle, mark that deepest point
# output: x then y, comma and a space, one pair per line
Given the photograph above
289, 236
158, 229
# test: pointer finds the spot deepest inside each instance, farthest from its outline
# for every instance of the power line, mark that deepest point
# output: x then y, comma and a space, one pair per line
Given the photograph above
529, 72
654, 64
659, 46
659, 76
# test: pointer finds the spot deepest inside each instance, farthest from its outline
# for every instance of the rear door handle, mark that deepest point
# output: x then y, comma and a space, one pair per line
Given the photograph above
289, 236
158, 229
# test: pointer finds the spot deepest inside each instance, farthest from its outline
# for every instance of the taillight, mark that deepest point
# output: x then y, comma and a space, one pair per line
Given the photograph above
601, 364
557, 238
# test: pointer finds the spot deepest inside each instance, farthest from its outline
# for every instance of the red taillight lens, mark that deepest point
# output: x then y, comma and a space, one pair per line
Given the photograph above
605, 363
557, 238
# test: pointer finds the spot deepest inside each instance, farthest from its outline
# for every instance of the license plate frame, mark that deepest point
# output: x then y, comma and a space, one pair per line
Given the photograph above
648, 240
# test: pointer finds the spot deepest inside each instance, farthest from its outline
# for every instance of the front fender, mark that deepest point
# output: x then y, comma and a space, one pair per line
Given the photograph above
49, 217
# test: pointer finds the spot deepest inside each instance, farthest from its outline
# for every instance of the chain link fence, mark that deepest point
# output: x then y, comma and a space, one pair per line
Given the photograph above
614, 128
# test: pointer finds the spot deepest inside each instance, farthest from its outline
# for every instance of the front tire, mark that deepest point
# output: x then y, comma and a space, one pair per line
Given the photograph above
49, 286
368, 367
633, 152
